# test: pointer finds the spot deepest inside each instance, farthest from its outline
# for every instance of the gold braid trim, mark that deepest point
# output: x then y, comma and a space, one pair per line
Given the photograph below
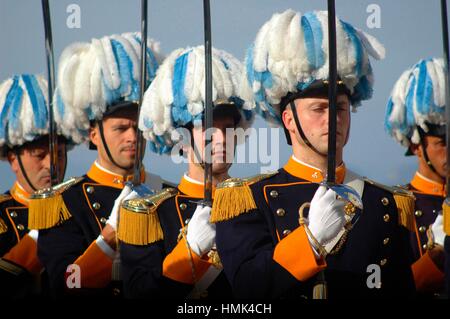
446, 213
3, 226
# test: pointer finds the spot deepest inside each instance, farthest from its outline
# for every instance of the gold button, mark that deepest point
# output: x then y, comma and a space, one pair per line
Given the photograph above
422, 229
349, 209
13, 214
418, 213
385, 201
281, 212
90, 189
386, 218
286, 232
183, 206
274, 194
20, 227
386, 241
103, 220
96, 206
116, 291
383, 262
424, 246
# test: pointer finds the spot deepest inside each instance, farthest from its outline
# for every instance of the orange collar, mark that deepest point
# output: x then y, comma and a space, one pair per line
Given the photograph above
427, 186
192, 188
108, 178
19, 194
310, 173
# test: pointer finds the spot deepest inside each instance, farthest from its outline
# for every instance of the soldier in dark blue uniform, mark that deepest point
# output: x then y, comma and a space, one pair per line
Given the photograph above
415, 117
24, 144
167, 240
98, 87
266, 246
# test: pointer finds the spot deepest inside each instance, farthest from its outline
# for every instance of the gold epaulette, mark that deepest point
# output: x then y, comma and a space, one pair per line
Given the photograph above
405, 187
234, 197
47, 208
404, 200
446, 213
257, 178
169, 184
4, 197
3, 226
138, 222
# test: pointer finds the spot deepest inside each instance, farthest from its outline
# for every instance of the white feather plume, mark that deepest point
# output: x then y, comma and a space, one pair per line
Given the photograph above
157, 110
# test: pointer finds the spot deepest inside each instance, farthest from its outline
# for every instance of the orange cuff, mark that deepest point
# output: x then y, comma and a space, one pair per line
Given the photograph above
427, 276
178, 264
294, 253
95, 267
24, 254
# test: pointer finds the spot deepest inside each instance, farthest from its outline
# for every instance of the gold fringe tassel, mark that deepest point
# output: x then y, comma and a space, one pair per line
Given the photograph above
405, 206
320, 291
139, 228
231, 201
45, 213
446, 213
3, 226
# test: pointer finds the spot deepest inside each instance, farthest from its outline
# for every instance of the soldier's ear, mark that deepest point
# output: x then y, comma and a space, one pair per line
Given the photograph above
10, 156
94, 135
288, 120
416, 149
12, 159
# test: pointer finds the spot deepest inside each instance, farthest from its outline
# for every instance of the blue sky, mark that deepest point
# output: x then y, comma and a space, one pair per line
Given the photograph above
410, 30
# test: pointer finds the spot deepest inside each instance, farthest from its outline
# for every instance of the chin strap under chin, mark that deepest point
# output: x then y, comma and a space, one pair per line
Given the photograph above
197, 156
24, 173
300, 131
100, 127
424, 151
197, 153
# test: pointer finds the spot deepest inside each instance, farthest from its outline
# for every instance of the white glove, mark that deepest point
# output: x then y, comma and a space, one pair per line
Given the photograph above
34, 234
201, 234
126, 193
438, 230
326, 215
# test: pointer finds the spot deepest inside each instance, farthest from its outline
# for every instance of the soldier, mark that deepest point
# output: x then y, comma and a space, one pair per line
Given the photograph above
447, 263
98, 86
265, 248
24, 143
415, 117
171, 253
